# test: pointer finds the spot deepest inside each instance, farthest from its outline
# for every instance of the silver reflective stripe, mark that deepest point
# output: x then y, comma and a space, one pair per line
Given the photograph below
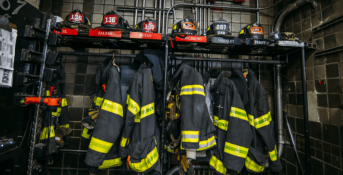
192, 89
190, 136
208, 144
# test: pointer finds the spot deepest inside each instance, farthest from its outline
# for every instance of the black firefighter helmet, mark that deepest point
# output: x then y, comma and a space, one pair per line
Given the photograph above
76, 19
113, 20
220, 27
148, 25
252, 31
185, 26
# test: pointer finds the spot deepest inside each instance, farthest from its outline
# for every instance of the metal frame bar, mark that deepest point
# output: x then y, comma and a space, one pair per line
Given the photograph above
39, 93
232, 60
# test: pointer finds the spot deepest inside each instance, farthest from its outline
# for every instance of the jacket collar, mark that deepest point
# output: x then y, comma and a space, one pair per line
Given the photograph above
175, 76
217, 83
239, 74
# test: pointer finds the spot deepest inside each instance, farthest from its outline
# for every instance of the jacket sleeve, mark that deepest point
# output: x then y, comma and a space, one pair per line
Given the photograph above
192, 97
239, 134
132, 114
262, 123
109, 123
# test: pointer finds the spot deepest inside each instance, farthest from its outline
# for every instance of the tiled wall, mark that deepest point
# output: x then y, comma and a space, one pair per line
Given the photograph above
35, 3
81, 70
324, 90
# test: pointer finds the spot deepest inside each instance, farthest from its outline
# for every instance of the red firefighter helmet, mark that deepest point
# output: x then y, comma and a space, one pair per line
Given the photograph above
148, 25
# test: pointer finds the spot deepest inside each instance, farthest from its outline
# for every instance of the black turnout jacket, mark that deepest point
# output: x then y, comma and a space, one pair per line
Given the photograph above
138, 139
104, 145
197, 129
260, 120
233, 132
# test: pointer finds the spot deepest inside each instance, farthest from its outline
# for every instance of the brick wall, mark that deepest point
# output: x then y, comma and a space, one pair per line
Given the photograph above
324, 89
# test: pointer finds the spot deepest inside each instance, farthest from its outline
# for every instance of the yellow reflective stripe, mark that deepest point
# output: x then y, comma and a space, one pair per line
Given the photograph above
111, 163
65, 126
251, 165
262, 121
57, 113
100, 145
85, 133
273, 154
190, 136
147, 110
236, 150
192, 90
215, 119
206, 144
132, 106
238, 113
137, 118
145, 163
97, 100
113, 107
222, 124
44, 134
47, 93
64, 102
217, 165
251, 120
123, 141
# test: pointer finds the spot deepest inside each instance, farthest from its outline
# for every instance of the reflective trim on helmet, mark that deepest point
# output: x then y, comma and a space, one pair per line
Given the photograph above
238, 113
273, 154
262, 121
132, 106
111, 163
190, 136
147, 110
113, 107
217, 165
44, 134
251, 165
145, 163
100, 145
236, 150
192, 90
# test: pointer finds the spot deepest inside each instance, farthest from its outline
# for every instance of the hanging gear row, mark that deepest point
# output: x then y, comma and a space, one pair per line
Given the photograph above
130, 132
225, 122
113, 21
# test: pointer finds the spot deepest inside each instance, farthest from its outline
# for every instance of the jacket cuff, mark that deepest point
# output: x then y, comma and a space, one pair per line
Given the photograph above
275, 166
191, 153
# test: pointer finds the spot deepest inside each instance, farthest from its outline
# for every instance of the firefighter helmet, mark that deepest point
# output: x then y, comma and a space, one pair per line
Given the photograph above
113, 20
185, 26
148, 25
220, 27
77, 18
252, 31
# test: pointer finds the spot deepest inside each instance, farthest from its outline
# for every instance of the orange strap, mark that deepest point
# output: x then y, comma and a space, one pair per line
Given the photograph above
128, 161
104, 87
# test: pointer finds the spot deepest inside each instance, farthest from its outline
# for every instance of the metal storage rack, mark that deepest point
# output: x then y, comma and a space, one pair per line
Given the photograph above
170, 44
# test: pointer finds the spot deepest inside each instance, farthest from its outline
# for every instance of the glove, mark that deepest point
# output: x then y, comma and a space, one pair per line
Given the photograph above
185, 166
